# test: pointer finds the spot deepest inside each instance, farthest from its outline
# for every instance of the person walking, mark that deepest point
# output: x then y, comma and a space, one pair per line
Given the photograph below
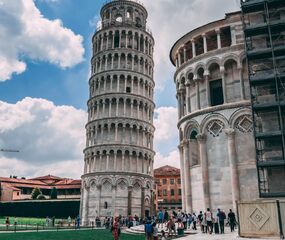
155, 231
209, 220
160, 218
78, 222
194, 221
116, 231
221, 218
232, 220
69, 221
200, 219
171, 227
7, 222
180, 228
148, 228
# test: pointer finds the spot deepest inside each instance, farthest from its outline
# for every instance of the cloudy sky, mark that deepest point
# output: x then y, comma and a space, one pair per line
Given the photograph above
45, 51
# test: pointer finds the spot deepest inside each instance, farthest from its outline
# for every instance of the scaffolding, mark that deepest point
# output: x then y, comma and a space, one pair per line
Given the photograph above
264, 29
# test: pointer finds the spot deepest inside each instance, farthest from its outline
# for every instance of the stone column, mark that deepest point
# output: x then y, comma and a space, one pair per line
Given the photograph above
202, 138
86, 206
107, 162
205, 43
233, 165
130, 189
117, 107
187, 177
180, 147
193, 48
242, 92
222, 70
115, 161
218, 32
197, 93
184, 54
99, 189
143, 203
206, 77
179, 58
114, 188
188, 97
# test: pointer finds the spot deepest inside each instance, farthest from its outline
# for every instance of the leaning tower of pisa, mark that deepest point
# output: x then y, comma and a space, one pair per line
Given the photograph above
118, 172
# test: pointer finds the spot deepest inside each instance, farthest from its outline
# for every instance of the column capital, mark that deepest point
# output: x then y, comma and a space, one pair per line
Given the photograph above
218, 31
230, 132
202, 138
185, 142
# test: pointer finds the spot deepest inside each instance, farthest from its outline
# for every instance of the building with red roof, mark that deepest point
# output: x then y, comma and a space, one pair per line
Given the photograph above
15, 189
168, 188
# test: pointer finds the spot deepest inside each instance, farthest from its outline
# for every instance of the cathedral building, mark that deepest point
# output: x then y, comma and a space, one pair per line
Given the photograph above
118, 172
217, 150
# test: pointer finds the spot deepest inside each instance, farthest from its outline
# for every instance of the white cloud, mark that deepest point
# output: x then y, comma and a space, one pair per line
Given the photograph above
50, 138
165, 123
166, 134
25, 33
172, 159
169, 20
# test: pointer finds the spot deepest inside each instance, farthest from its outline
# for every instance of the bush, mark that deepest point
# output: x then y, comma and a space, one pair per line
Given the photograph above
41, 197
53, 193
35, 193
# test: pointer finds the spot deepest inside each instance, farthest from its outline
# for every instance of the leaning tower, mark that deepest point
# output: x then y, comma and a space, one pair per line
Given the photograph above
118, 170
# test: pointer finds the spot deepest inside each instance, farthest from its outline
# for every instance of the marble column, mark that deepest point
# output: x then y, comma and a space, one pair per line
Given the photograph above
242, 92
208, 100
218, 32
143, 203
114, 188
187, 177
188, 97
130, 190
205, 43
180, 147
193, 48
233, 165
222, 70
197, 93
202, 138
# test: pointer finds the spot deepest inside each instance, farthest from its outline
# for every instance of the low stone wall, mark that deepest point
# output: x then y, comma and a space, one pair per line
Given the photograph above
263, 218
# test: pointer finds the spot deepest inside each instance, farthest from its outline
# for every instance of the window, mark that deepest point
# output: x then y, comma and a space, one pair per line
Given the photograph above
216, 91
179, 192
179, 181
159, 193
128, 89
164, 181
171, 181
172, 192
164, 192
119, 19
18, 193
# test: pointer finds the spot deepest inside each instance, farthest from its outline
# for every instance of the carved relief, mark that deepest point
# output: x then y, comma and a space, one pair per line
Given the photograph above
215, 127
244, 124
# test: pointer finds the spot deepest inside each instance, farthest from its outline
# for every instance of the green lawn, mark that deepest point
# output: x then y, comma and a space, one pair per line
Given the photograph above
68, 235
25, 221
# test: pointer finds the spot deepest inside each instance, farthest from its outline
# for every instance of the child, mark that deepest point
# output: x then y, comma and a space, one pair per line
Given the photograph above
155, 231
163, 235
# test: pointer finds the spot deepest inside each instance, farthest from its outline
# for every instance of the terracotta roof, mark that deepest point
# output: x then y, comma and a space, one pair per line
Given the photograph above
47, 177
45, 182
166, 171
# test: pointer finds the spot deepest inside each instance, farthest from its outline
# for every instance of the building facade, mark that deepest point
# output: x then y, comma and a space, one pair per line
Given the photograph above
16, 189
217, 152
168, 194
118, 173
264, 28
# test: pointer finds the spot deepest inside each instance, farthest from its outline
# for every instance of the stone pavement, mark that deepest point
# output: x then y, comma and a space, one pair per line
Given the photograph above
227, 236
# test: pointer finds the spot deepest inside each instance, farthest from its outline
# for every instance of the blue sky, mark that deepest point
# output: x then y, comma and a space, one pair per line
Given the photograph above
44, 79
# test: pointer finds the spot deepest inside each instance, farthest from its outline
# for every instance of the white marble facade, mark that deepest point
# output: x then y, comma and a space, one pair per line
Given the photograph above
217, 152
118, 171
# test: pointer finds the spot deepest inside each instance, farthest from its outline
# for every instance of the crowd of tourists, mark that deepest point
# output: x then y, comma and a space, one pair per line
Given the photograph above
173, 224
177, 223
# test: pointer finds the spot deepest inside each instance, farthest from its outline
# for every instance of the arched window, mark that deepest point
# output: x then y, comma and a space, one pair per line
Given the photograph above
119, 19
216, 85
194, 148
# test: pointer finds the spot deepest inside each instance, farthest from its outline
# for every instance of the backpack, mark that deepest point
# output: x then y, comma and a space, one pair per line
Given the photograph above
148, 228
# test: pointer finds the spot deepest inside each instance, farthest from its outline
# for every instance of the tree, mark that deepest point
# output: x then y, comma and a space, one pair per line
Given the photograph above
41, 197
35, 193
53, 193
